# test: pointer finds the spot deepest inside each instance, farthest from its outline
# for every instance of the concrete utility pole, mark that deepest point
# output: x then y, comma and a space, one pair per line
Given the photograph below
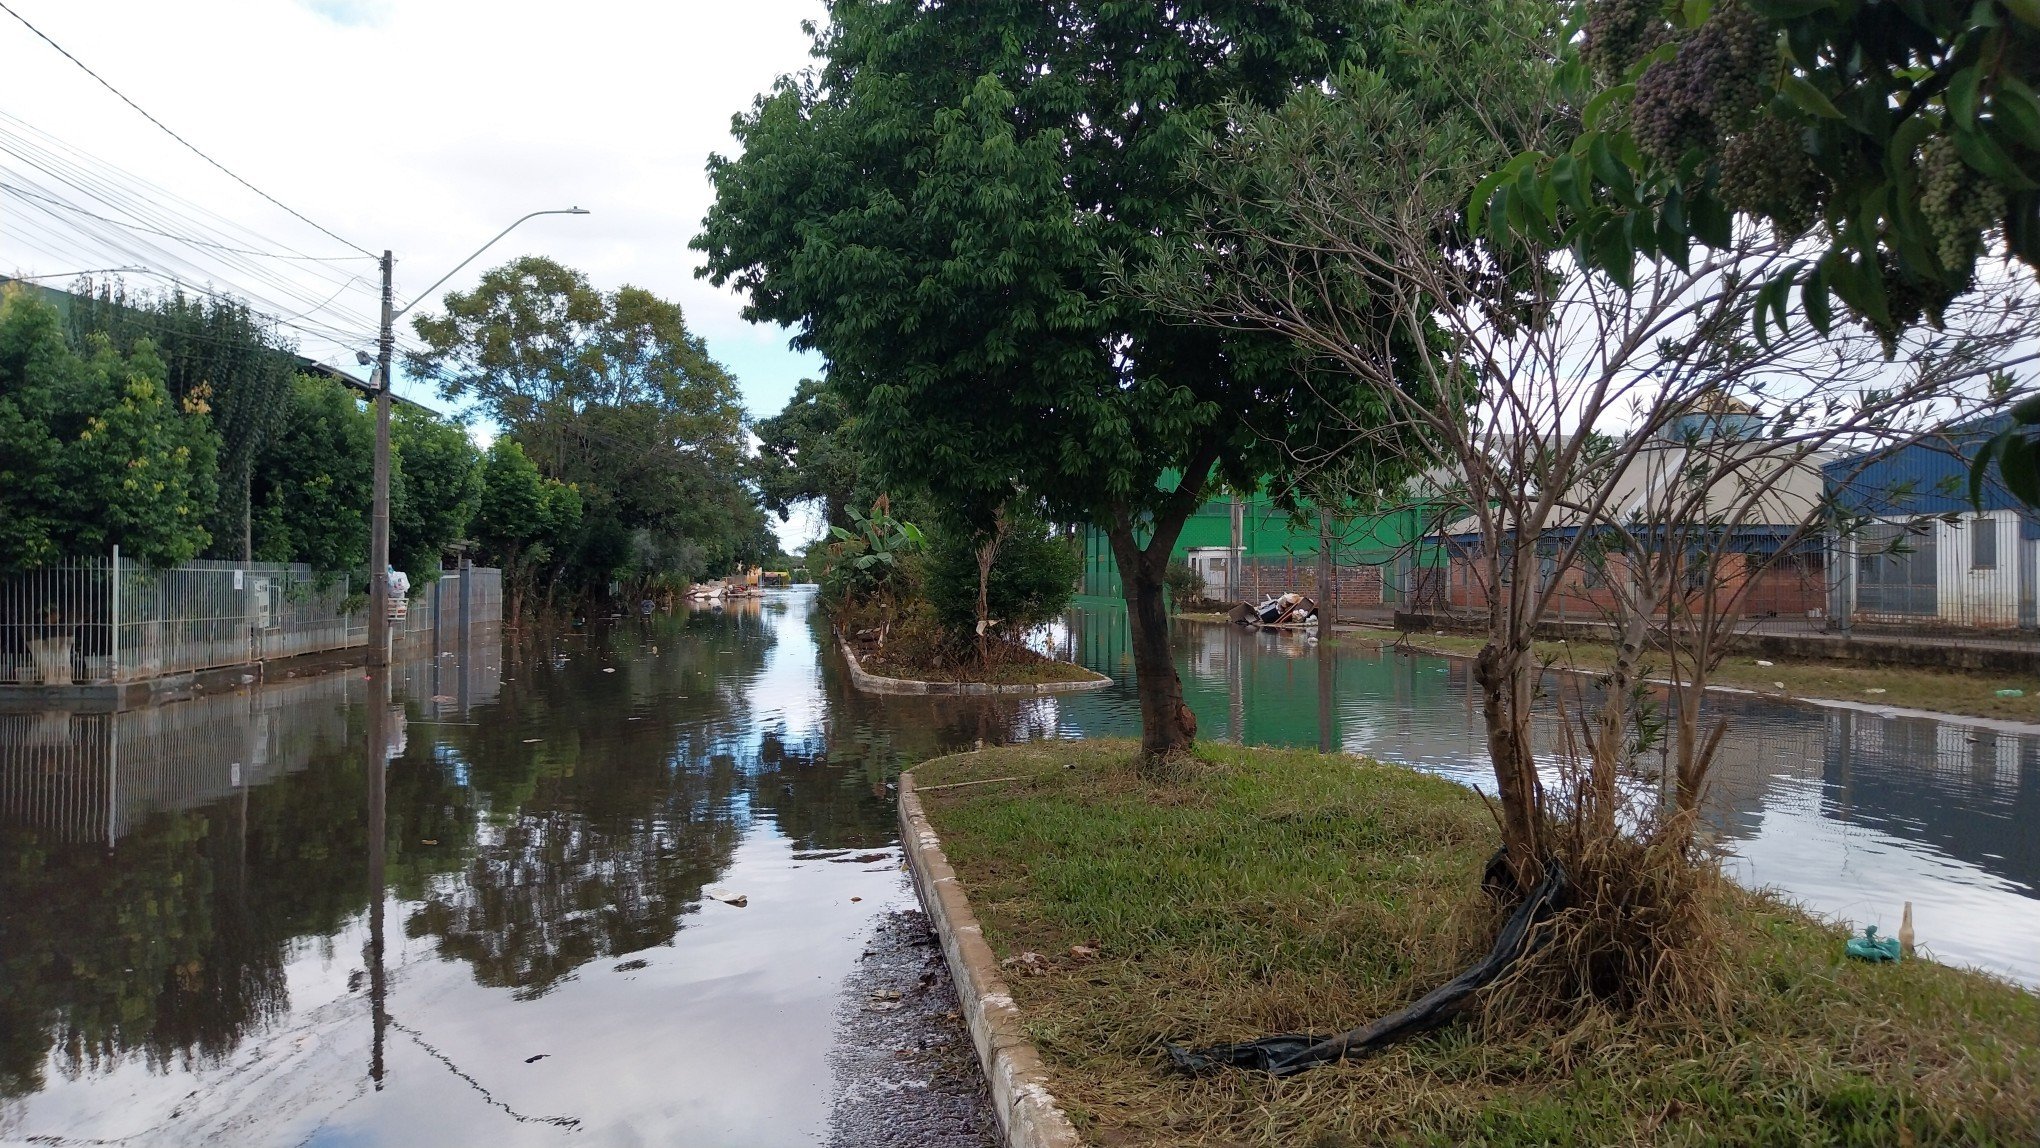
1237, 550
379, 520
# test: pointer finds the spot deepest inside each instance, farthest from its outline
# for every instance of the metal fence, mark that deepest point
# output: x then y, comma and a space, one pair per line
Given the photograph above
90, 621
1973, 582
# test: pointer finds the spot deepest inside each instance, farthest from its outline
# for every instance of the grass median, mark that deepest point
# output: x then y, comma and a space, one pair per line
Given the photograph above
1914, 687
1277, 891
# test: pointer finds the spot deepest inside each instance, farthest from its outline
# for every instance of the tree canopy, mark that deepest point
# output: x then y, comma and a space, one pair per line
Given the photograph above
935, 207
609, 394
94, 452
1901, 140
808, 453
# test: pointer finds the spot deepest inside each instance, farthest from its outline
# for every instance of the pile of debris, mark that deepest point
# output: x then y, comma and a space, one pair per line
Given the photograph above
1283, 612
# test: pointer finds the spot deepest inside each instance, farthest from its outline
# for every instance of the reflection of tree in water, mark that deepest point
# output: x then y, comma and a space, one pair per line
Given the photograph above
549, 892
172, 944
828, 799
599, 831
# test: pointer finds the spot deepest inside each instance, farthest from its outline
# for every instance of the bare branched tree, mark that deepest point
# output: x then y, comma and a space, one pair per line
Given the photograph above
1637, 439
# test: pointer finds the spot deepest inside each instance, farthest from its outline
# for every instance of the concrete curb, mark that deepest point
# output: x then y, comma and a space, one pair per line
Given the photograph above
1028, 1114
871, 683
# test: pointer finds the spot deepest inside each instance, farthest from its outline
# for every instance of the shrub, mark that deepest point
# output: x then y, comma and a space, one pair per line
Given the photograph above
1184, 584
1032, 578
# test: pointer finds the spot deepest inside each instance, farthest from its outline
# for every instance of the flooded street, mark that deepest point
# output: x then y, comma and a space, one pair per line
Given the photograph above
187, 908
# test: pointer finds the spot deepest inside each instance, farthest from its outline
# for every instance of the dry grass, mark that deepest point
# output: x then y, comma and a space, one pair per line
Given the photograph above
1276, 891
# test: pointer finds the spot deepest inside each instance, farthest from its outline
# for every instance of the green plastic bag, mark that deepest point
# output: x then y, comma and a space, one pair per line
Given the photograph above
1871, 947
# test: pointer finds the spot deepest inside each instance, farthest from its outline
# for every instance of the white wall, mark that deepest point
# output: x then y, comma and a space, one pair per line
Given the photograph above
1972, 597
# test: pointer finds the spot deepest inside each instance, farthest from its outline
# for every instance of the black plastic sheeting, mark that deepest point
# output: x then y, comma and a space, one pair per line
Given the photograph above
1291, 1053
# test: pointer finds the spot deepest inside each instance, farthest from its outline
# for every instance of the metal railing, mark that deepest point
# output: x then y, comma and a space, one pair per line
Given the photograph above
93, 621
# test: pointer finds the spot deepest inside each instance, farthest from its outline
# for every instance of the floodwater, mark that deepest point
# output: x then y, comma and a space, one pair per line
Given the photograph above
193, 948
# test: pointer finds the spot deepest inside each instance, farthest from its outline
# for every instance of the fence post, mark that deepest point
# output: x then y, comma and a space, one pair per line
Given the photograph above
1845, 597
113, 643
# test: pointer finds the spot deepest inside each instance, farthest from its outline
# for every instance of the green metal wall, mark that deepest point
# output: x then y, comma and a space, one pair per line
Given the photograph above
1266, 534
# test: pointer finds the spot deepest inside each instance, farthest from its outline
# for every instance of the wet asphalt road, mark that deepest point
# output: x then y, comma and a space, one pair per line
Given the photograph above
906, 1075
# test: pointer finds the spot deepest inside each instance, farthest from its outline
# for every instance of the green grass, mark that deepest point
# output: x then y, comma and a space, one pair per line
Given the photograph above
1942, 691
1271, 891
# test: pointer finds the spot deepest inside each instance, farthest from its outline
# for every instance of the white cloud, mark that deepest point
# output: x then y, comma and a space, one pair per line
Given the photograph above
424, 126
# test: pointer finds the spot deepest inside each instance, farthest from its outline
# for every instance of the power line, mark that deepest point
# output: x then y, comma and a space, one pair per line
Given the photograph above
157, 211
173, 135
173, 235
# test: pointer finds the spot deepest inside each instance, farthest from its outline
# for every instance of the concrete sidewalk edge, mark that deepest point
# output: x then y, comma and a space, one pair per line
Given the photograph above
1027, 1112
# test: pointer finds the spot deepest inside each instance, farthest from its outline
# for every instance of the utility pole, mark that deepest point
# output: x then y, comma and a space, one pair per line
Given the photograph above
379, 522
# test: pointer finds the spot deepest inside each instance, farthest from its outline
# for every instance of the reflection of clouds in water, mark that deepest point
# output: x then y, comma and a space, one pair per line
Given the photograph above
786, 691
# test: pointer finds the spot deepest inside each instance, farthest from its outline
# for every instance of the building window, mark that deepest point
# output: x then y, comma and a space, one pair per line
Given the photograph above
1983, 540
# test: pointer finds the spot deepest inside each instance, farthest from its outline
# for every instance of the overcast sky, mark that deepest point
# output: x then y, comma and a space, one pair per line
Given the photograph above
422, 126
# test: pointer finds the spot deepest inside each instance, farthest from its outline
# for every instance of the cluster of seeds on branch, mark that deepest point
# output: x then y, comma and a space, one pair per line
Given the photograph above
1907, 298
1621, 32
1766, 172
1959, 207
1715, 83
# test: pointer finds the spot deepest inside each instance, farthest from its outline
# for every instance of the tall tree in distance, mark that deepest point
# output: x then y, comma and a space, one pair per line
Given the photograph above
522, 520
611, 394
934, 207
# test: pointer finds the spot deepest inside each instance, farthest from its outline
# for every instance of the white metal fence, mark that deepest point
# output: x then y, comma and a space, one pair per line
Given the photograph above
90, 621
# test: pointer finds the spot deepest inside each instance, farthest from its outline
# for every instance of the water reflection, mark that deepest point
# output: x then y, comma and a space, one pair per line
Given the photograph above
194, 946
253, 918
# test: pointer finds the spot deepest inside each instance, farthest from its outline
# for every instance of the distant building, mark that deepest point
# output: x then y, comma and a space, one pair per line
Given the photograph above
1276, 553
1915, 549
1773, 561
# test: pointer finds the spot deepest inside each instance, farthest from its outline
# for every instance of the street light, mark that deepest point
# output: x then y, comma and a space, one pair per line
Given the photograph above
379, 523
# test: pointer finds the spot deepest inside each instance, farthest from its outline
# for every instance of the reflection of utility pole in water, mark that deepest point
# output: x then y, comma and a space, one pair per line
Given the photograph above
376, 762
1235, 689
1236, 552
1327, 663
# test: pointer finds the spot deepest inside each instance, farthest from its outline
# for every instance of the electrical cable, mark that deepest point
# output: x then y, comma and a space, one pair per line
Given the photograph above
171, 235
173, 135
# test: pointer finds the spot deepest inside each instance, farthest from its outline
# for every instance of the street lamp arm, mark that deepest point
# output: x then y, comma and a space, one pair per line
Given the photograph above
379, 514
427, 292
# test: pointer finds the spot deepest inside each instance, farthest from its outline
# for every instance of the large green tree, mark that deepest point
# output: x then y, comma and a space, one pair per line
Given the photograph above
434, 490
314, 478
217, 352
934, 207
94, 452
523, 520
612, 394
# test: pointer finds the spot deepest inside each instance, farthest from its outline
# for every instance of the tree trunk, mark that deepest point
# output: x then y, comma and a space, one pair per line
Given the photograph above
1498, 672
1167, 727
987, 557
